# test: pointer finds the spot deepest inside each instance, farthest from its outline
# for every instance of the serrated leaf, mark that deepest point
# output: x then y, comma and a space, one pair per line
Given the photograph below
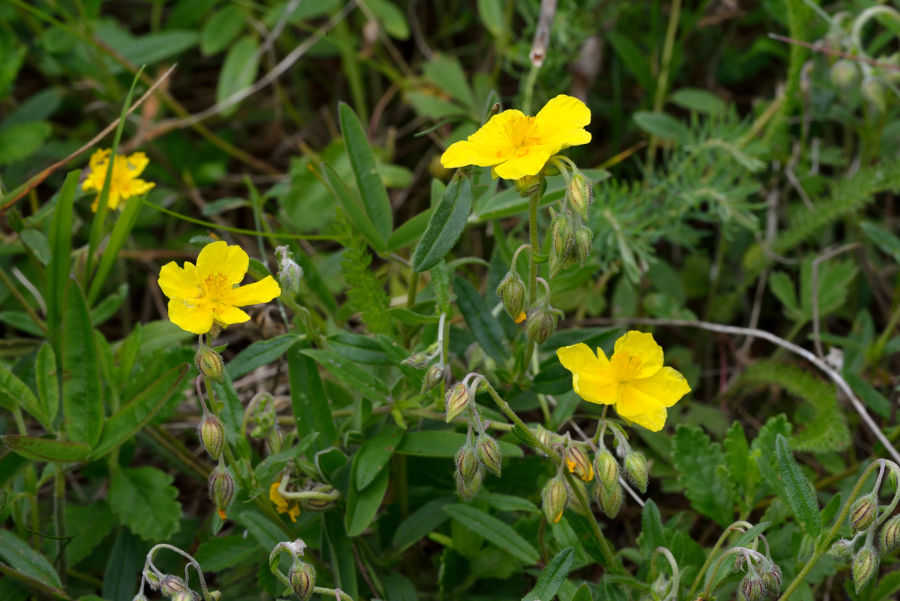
483, 325
26, 560
697, 459
144, 500
446, 224
494, 531
368, 181
736, 452
552, 577
797, 490
238, 71
652, 531
46, 449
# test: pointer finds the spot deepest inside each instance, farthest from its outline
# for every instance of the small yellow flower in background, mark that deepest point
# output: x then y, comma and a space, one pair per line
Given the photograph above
292, 508
517, 145
633, 379
520, 317
124, 183
208, 293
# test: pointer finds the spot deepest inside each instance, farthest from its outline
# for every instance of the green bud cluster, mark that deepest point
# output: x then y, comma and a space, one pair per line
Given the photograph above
554, 497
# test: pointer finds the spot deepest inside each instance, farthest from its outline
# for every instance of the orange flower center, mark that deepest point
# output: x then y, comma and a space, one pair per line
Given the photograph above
626, 365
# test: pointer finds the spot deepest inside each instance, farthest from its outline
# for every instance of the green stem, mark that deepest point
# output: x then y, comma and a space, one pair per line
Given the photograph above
712, 553
530, 80
662, 82
59, 518
533, 203
10, 285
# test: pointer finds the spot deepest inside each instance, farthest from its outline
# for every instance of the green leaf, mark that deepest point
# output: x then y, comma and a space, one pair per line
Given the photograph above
834, 283
26, 560
144, 500
127, 421
552, 577
223, 552
737, 453
446, 224
121, 231
797, 490
58, 270
222, 27
88, 525
368, 181
662, 126
446, 73
483, 325
411, 317
82, 393
697, 100
491, 14
707, 487
37, 243
635, 59
583, 593
652, 531
506, 502
886, 241
312, 412
494, 531
354, 207
373, 456
391, 18
444, 443
363, 504
410, 231
343, 562
109, 305
47, 382
421, 522
46, 449
20, 141
15, 393
238, 71
873, 399
783, 288
350, 374
358, 348
261, 352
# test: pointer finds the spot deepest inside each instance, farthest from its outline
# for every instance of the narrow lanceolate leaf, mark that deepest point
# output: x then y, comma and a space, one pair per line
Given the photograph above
368, 181
357, 211
553, 576
375, 453
81, 390
363, 504
308, 401
350, 374
15, 393
60, 260
46, 449
796, 488
494, 531
26, 560
482, 323
47, 382
446, 224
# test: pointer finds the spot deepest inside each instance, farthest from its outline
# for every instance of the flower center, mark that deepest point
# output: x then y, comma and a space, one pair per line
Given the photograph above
627, 366
519, 131
214, 286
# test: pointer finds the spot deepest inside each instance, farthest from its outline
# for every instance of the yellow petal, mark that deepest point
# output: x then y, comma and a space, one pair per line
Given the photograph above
592, 377
527, 160
99, 157
561, 122
579, 358
252, 294
493, 143
227, 315
192, 318
219, 257
636, 355
136, 162
463, 153
666, 387
178, 282
641, 410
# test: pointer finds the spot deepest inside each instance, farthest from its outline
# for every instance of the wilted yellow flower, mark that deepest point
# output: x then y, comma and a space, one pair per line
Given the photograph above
633, 379
124, 183
292, 508
517, 145
208, 293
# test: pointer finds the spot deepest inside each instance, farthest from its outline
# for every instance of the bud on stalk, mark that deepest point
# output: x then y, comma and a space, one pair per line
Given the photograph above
434, 376
553, 499
844, 74
752, 588
541, 323
607, 468
512, 292
489, 453
862, 512
610, 499
457, 400
303, 579
466, 462
221, 488
771, 577
584, 238
212, 435
636, 470
468, 488
578, 463
864, 567
210, 364
890, 535
172, 585
580, 194
841, 549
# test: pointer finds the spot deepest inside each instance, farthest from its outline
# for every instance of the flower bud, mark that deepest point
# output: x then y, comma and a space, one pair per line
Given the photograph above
468, 488
512, 292
457, 400
489, 453
139, 597
274, 440
221, 488
210, 364
844, 74
184, 596
528, 185
541, 323
212, 435
417, 360
752, 587
890, 535
636, 470
553, 499
610, 499
862, 512
466, 462
661, 587
873, 91
172, 585
562, 243
771, 577
303, 579
152, 579
289, 272
584, 238
578, 463
434, 376
841, 549
580, 194
607, 468
865, 565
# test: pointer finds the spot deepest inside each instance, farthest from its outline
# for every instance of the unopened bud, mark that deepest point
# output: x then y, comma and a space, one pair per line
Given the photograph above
584, 238
865, 566
289, 272
541, 323
661, 587
873, 91
466, 462
152, 579
210, 364
844, 74
303, 579
528, 185
771, 577
512, 292
172, 585
543, 435
274, 440
489, 453
553, 499
841, 549
752, 588
139, 597
184, 596
607, 468
221, 489
562, 243
457, 400
636, 470
434, 376
610, 499
468, 488
580, 194
578, 463
417, 360
862, 512
890, 535
212, 435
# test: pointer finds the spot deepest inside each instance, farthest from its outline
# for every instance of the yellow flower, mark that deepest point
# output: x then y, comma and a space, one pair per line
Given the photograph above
208, 293
517, 145
292, 508
124, 183
633, 379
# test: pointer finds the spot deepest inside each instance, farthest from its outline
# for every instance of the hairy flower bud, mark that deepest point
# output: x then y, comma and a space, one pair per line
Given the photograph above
841, 549
562, 243
578, 463
844, 74
607, 468
530, 184
210, 364
541, 323
434, 376
661, 587
289, 272
152, 579
303, 579
466, 462
580, 194
457, 400
212, 435
417, 360
752, 587
553, 499
636, 470
221, 488
512, 292
771, 577
489, 453
468, 488
171, 585
184, 596
862, 512
890, 535
610, 499
865, 566
873, 91
584, 238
